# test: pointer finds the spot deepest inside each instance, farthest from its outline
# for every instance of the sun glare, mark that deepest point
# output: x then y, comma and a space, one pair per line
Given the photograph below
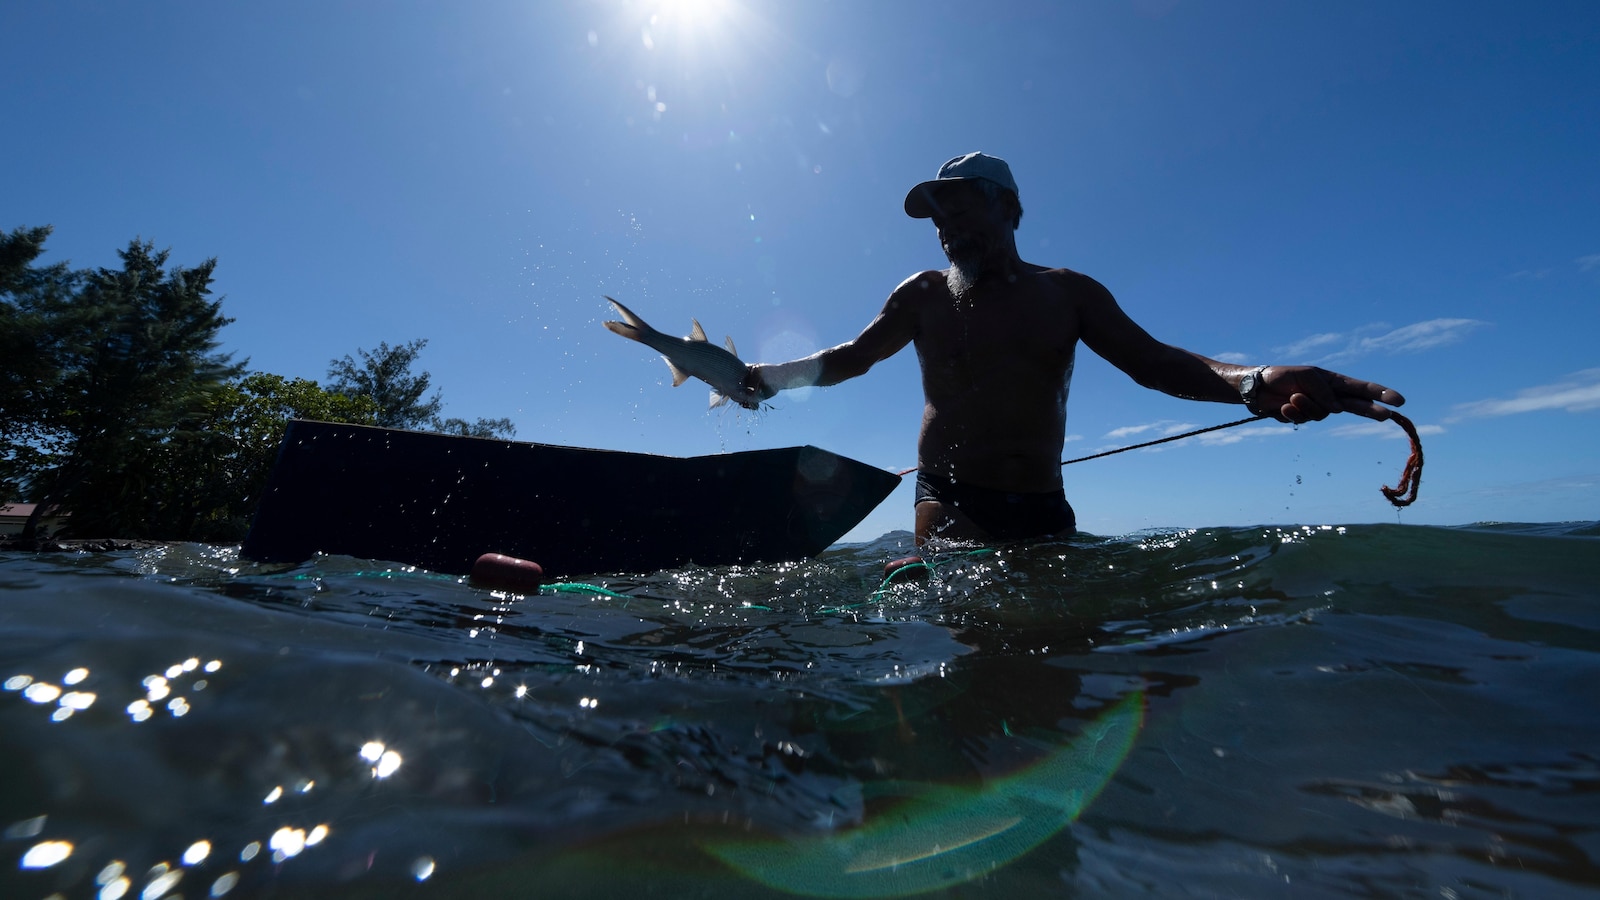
688, 60
693, 13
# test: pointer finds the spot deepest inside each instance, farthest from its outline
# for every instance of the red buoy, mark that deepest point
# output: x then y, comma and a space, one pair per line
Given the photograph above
911, 568
507, 573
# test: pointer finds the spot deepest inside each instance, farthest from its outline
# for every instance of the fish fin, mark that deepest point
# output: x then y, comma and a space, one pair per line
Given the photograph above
627, 314
679, 376
729, 344
631, 326
717, 399
698, 334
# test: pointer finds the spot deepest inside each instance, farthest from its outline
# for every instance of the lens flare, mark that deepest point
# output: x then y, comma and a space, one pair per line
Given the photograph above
47, 854
943, 836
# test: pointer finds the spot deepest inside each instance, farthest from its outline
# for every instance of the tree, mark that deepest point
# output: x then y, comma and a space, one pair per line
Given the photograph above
384, 376
28, 295
135, 360
116, 405
208, 479
483, 428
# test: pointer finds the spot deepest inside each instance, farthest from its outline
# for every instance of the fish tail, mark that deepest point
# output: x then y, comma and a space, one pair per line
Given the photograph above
628, 331
631, 326
637, 329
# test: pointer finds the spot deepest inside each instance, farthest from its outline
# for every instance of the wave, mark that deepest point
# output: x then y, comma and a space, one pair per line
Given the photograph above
1361, 709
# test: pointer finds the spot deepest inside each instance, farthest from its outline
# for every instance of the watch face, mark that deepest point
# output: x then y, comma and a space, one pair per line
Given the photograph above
1247, 386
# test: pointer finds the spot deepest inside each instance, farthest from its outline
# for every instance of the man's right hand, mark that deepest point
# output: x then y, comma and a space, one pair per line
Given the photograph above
755, 385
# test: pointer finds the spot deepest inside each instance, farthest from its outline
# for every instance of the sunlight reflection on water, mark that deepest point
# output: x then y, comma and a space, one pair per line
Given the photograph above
350, 725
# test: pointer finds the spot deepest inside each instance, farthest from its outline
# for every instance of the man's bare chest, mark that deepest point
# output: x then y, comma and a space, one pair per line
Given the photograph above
999, 330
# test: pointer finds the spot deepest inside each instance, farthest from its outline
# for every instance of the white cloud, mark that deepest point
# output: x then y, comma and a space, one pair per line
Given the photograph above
1313, 344
1585, 263
1244, 432
1421, 336
1127, 431
1369, 428
1237, 359
1578, 392
1168, 428
1380, 338
1163, 428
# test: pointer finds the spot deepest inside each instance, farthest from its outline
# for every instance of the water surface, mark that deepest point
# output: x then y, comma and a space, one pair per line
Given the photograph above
1314, 711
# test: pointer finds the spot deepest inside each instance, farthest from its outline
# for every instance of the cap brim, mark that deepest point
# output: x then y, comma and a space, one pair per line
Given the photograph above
923, 203
920, 203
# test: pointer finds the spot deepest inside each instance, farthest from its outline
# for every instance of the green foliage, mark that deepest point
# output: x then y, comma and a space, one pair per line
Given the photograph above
116, 405
29, 296
384, 375
207, 479
483, 428
136, 358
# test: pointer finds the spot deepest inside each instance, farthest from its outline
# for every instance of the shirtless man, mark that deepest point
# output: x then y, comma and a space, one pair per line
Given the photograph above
996, 338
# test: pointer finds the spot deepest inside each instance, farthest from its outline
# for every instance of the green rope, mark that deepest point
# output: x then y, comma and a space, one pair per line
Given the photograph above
578, 587
884, 586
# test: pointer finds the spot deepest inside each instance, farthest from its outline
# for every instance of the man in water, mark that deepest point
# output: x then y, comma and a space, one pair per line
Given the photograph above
996, 338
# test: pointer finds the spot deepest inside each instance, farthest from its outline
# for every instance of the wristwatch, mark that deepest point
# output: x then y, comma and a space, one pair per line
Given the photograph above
1250, 387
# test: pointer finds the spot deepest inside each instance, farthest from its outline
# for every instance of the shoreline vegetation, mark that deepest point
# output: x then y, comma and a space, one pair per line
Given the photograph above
119, 408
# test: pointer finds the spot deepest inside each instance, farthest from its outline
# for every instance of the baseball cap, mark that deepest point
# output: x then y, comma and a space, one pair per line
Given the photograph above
919, 203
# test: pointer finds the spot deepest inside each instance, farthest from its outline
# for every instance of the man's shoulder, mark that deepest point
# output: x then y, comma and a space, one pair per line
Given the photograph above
928, 280
918, 290
1071, 276
1073, 281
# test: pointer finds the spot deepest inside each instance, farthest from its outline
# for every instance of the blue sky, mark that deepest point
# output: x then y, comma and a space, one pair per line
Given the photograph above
1406, 192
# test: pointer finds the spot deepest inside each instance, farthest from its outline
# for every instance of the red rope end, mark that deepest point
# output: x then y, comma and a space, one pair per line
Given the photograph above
1405, 493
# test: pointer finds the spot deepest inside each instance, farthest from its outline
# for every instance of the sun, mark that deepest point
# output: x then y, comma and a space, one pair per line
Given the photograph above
694, 14
696, 29
686, 53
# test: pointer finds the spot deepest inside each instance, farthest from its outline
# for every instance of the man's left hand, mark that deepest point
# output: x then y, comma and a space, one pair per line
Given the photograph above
1309, 394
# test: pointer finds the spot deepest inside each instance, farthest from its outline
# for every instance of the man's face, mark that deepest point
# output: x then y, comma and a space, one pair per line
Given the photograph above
967, 221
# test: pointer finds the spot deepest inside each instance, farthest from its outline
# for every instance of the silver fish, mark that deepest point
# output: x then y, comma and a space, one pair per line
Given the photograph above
693, 355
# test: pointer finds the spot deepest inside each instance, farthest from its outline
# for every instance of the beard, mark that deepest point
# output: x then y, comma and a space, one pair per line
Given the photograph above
962, 276
969, 264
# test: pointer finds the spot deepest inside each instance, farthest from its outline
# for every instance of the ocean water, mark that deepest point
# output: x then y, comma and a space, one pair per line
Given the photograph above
1363, 711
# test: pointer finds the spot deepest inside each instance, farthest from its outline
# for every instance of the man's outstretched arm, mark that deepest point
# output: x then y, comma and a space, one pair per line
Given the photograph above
884, 336
1286, 393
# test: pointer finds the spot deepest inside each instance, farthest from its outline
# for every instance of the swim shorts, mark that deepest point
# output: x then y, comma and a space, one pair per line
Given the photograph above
1006, 515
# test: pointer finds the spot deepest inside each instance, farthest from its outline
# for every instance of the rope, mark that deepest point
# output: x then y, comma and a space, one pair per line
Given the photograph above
1405, 493
1175, 437
1402, 495
578, 587
889, 578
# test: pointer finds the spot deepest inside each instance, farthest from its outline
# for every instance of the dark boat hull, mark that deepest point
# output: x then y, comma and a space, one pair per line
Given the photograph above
439, 501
